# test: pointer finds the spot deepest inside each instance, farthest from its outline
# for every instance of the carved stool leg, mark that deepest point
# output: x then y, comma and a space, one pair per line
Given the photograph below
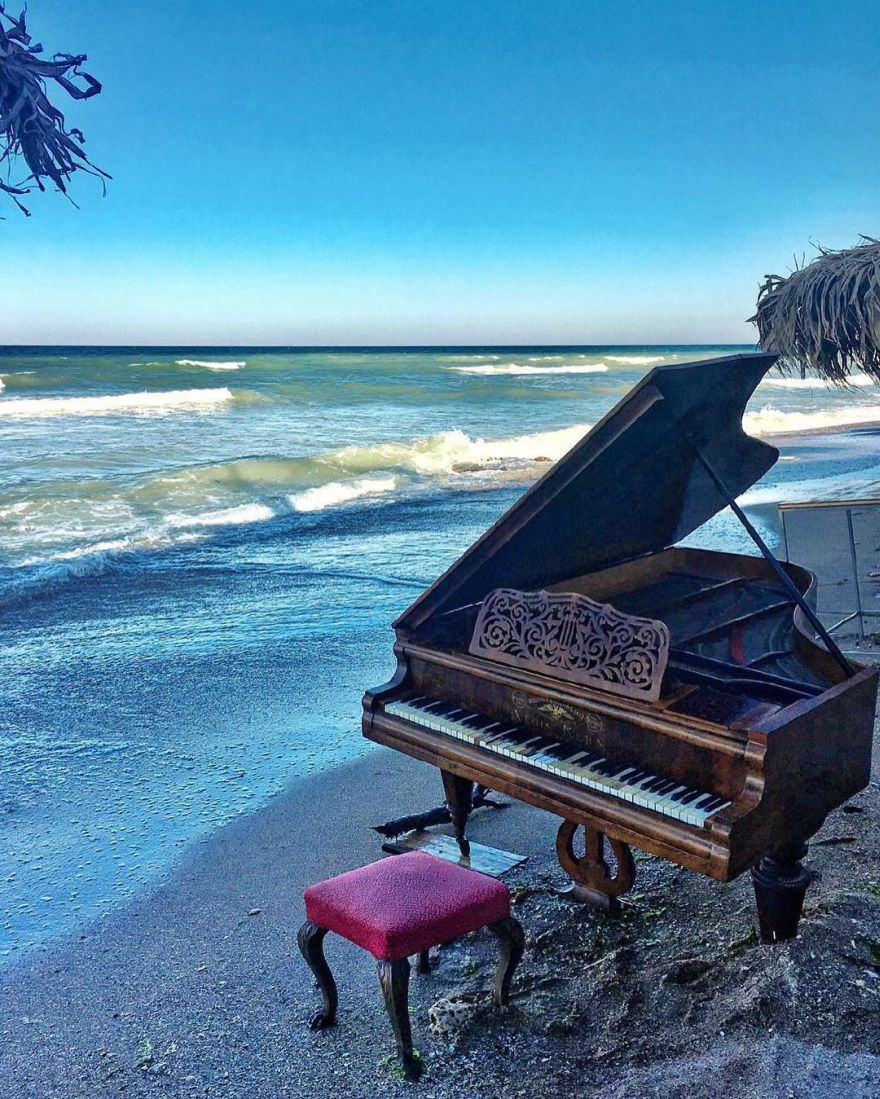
780, 881
592, 882
394, 979
459, 798
509, 933
424, 963
311, 942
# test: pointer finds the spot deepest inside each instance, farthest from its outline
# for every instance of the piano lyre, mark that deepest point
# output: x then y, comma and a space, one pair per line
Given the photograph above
748, 729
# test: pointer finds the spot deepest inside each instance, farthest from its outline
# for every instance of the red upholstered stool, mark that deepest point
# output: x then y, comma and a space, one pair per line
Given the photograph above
401, 906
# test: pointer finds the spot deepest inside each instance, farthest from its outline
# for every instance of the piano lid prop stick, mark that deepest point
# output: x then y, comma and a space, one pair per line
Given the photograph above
770, 557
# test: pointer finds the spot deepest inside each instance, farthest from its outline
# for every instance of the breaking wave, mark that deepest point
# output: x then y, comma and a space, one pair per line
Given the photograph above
456, 452
861, 381
237, 365
516, 369
774, 421
137, 403
340, 492
637, 360
115, 522
239, 515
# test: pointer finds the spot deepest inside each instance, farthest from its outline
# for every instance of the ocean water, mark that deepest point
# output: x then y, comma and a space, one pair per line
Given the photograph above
201, 551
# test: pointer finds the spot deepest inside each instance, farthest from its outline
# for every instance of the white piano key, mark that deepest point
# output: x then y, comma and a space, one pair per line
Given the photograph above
579, 766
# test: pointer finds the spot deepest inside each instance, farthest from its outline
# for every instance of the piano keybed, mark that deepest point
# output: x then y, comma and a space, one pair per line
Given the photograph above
615, 778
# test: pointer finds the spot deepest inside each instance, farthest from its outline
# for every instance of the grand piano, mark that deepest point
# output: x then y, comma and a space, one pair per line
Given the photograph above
684, 701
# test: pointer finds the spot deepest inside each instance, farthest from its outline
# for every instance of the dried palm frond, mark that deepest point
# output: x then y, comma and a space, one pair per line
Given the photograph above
825, 316
31, 128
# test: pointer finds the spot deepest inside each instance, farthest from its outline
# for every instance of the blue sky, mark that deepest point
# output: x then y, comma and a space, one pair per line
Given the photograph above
411, 171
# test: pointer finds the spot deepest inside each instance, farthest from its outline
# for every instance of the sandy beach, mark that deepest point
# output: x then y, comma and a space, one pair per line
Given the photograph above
197, 989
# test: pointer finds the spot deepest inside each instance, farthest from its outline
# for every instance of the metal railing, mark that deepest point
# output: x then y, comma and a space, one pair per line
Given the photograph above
858, 614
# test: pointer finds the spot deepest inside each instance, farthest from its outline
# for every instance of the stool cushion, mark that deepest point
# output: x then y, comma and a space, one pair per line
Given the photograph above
404, 904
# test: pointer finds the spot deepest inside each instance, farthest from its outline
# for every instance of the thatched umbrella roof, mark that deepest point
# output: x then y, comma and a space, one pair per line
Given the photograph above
825, 316
31, 128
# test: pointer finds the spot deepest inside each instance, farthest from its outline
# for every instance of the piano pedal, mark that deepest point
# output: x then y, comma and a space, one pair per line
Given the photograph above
593, 881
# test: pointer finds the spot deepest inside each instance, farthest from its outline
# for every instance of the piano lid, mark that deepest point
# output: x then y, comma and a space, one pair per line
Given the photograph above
632, 486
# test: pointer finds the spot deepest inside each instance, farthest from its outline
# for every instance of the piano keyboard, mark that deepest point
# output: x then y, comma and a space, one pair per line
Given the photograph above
615, 778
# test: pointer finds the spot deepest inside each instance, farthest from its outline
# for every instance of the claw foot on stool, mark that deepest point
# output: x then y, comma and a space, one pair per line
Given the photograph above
320, 1021
510, 935
310, 938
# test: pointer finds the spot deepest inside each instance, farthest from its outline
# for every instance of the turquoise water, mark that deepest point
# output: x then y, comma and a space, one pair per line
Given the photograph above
201, 552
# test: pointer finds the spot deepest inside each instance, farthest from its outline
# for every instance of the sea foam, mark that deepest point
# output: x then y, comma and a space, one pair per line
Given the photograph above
137, 403
774, 421
235, 365
516, 369
861, 381
636, 360
239, 515
340, 492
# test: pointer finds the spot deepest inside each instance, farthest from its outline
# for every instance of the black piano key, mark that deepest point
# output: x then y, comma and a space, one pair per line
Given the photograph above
668, 787
538, 746
704, 801
639, 775
609, 768
476, 723
503, 733
653, 784
516, 734
562, 752
443, 709
686, 796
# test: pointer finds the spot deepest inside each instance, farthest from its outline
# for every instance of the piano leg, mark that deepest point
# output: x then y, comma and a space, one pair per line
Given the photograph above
592, 881
780, 881
459, 798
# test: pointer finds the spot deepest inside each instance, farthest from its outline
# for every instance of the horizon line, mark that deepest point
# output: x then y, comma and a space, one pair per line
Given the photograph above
358, 346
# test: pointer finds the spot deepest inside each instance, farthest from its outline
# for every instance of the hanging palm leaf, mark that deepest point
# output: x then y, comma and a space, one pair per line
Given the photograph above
825, 316
32, 130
